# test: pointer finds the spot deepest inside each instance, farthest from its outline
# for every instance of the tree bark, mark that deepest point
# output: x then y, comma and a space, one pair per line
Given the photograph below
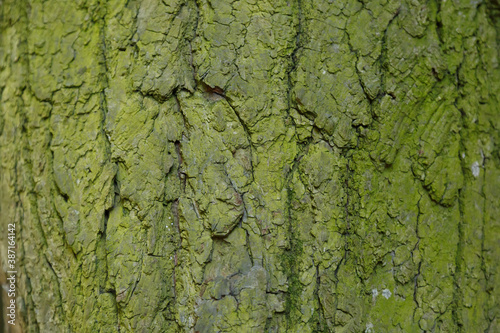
251, 166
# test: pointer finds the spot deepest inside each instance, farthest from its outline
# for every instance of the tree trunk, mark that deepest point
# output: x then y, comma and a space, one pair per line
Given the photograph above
251, 166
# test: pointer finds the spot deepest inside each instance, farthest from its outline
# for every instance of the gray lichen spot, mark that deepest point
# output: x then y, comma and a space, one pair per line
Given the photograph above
475, 169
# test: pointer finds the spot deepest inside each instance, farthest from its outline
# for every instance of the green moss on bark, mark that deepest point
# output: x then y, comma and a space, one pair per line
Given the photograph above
281, 166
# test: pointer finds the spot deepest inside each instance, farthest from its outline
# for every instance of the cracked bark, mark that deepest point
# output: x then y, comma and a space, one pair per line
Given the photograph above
222, 166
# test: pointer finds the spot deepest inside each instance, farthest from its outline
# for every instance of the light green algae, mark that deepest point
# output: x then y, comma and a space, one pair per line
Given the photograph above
252, 166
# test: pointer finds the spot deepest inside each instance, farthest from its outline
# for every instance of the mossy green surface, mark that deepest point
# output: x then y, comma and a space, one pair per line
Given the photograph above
252, 166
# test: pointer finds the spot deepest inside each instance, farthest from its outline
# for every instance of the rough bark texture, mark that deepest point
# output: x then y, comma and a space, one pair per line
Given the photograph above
250, 166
